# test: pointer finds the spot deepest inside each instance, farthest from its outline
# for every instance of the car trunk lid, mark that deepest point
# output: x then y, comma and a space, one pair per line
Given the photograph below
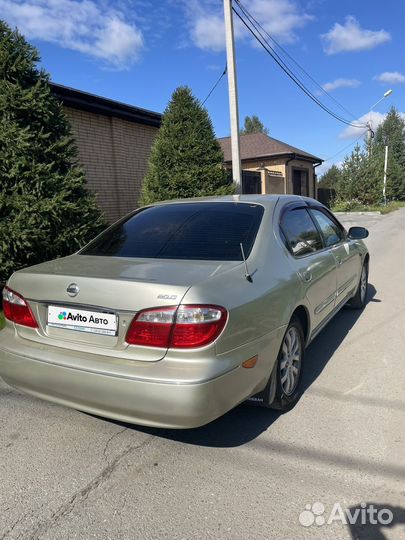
114, 286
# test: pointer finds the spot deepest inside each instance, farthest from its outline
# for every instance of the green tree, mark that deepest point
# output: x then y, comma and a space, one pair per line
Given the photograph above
45, 210
253, 124
186, 159
391, 133
330, 178
357, 181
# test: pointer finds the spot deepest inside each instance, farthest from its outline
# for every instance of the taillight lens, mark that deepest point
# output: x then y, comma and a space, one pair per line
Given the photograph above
151, 327
186, 327
17, 310
197, 326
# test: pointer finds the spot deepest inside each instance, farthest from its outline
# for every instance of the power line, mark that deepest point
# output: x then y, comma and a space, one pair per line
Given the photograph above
269, 49
215, 85
252, 18
345, 148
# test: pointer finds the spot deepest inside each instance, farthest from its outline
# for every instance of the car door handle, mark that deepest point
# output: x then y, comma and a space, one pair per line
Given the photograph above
307, 276
338, 261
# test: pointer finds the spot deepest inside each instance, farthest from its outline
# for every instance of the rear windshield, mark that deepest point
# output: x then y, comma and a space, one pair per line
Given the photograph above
200, 231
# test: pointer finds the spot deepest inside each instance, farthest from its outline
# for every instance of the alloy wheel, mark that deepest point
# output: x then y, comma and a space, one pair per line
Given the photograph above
290, 363
363, 284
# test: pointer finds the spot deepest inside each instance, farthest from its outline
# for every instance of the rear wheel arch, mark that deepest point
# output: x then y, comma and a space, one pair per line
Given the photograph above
367, 259
301, 313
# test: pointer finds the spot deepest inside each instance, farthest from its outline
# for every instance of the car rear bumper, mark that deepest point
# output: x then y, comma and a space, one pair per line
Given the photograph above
171, 403
140, 402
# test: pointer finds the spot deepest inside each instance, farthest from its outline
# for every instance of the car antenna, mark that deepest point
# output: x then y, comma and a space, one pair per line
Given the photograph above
247, 275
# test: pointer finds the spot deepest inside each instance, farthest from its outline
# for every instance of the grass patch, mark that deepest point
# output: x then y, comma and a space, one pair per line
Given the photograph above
351, 206
2, 321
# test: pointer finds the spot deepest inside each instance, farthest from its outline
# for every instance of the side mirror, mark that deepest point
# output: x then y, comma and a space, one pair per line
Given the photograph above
358, 233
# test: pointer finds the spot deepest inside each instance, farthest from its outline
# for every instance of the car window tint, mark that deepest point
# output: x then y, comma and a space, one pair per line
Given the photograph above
203, 231
331, 233
300, 232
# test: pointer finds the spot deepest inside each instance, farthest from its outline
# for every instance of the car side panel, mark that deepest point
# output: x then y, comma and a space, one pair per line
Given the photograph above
319, 276
348, 261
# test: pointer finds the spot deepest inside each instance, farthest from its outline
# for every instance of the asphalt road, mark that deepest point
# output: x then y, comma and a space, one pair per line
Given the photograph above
66, 475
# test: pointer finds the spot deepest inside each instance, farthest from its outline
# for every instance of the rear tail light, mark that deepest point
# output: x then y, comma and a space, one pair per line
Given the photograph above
17, 310
151, 327
186, 327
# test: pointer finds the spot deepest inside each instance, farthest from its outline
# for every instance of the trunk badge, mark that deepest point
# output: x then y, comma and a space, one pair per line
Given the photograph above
73, 289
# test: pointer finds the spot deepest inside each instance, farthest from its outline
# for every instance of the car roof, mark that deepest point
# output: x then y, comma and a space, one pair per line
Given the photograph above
264, 200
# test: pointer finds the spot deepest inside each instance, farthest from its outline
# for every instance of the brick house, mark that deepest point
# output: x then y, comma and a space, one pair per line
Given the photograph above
114, 142
272, 166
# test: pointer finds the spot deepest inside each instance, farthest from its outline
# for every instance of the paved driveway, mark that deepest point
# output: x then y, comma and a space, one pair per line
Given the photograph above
65, 474
362, 219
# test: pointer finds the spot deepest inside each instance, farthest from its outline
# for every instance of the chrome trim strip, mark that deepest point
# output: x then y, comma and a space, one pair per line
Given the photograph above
101, 309
343, 287
327, 319
325, 303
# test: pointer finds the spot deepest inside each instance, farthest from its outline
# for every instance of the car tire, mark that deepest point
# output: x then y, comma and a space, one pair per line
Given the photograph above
283, 389
359, 299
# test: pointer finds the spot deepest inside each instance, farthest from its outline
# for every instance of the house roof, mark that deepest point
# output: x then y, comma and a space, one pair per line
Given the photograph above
260, 145
78, 99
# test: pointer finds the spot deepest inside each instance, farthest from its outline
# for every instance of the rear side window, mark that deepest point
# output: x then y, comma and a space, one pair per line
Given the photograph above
331, 232
301, 235
200, 231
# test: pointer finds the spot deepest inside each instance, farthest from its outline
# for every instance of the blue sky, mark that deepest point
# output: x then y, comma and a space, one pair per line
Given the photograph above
139, 51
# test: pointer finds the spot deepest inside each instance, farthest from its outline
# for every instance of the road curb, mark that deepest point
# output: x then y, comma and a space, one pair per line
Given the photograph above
376, 213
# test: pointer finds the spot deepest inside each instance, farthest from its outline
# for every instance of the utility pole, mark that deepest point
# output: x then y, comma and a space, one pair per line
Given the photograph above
233, 95
370, 135
385, 175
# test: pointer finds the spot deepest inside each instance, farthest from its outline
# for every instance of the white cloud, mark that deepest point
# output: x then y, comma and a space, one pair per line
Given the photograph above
390, 77
281, 18
208, 32
341, 83
351, 37
375, 118
82, 25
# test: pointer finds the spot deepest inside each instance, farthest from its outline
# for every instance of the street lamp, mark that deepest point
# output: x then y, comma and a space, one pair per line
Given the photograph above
370, 131
386, 94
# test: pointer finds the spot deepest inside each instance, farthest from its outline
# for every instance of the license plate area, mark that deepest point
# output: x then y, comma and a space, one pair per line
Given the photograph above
82, 320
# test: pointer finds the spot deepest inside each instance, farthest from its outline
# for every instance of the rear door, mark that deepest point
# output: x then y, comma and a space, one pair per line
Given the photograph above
314, 264
345, 252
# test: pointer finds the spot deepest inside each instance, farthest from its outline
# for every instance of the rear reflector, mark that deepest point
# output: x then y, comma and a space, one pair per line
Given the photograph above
17, 310
186, 327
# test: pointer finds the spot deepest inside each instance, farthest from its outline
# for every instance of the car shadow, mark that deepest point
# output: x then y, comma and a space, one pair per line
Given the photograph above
246, 422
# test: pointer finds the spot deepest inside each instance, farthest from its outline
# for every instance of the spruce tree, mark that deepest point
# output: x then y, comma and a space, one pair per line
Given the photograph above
186, 159
331, 178
45, 209
391, 133
253, 124
356, 182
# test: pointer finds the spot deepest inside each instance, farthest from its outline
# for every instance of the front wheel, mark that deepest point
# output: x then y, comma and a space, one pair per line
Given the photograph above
287, 372
359, 299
